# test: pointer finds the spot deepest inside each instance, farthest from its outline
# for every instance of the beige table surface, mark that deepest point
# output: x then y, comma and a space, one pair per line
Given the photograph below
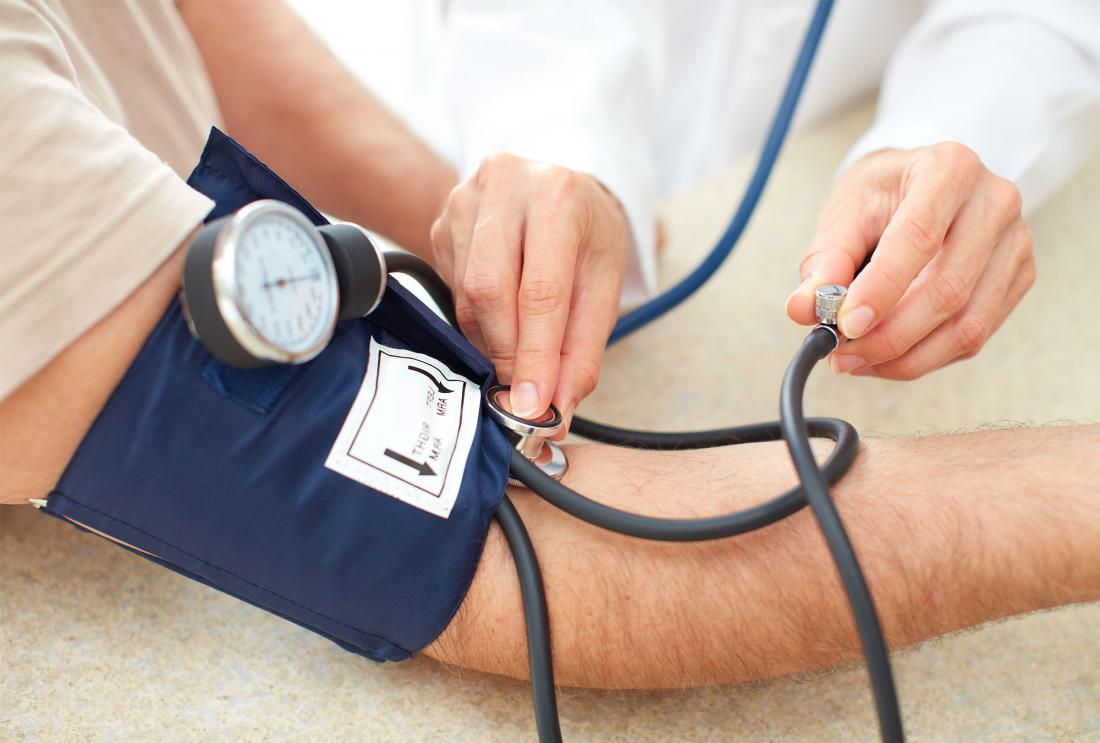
96, 644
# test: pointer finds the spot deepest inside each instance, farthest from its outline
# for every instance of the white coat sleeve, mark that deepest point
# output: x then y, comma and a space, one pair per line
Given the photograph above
572, 83
1017, 81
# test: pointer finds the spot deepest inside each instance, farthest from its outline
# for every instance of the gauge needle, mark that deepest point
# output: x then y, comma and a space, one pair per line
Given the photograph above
312, 276
267, 285
294, 279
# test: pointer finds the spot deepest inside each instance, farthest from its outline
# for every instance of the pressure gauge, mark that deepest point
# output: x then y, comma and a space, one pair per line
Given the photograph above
260, 287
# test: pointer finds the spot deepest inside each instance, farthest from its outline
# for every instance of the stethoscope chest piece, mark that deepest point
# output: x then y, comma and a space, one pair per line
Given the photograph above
531, 437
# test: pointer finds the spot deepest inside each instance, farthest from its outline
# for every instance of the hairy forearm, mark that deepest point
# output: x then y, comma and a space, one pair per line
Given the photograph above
44, 420
952, 531
286, 98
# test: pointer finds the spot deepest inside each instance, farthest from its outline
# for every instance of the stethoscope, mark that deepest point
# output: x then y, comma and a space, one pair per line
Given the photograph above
340, 261
541, 472
539, 464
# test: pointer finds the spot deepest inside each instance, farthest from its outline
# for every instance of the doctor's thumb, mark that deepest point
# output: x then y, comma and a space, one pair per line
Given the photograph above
526, 399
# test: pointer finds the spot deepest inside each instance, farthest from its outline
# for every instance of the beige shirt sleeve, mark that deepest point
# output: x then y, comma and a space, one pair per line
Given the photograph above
86, 212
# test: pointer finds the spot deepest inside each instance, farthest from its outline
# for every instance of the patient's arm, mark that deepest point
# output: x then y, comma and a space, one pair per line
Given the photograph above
290, 99
45, 418
951, 531
286, 98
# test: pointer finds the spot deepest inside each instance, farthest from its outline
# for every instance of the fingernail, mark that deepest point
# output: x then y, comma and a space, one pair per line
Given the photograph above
845, 362
857, 322
864, 371
525, 400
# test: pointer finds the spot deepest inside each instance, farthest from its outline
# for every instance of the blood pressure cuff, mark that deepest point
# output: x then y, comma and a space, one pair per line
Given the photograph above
220, 473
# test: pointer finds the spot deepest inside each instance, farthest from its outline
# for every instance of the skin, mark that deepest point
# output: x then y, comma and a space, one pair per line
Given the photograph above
535, 256
950, 257
982, 541
44, 419
278, 87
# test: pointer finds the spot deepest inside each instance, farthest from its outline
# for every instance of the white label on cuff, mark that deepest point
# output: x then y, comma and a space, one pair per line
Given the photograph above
408, 433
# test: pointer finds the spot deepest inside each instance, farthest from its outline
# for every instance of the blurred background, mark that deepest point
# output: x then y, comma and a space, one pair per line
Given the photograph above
384, 43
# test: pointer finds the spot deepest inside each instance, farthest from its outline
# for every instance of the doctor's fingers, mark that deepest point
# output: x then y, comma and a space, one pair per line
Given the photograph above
934, 185
941, 290
1011, 273
491, 280
450, 237
847, 230
551, 244
595, 308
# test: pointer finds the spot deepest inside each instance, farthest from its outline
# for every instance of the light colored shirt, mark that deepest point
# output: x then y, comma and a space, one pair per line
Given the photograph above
649, 96
104, 108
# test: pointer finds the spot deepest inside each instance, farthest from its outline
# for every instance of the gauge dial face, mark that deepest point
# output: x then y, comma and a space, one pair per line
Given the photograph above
283, 283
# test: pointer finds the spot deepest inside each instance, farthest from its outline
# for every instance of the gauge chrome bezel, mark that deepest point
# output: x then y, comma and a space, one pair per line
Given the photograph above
223, 273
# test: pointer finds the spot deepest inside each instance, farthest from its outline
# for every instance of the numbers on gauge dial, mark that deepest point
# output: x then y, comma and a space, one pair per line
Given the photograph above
282, 287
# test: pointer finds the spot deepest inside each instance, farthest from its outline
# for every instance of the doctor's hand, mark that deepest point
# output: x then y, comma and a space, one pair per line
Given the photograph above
950, 257
535, 256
